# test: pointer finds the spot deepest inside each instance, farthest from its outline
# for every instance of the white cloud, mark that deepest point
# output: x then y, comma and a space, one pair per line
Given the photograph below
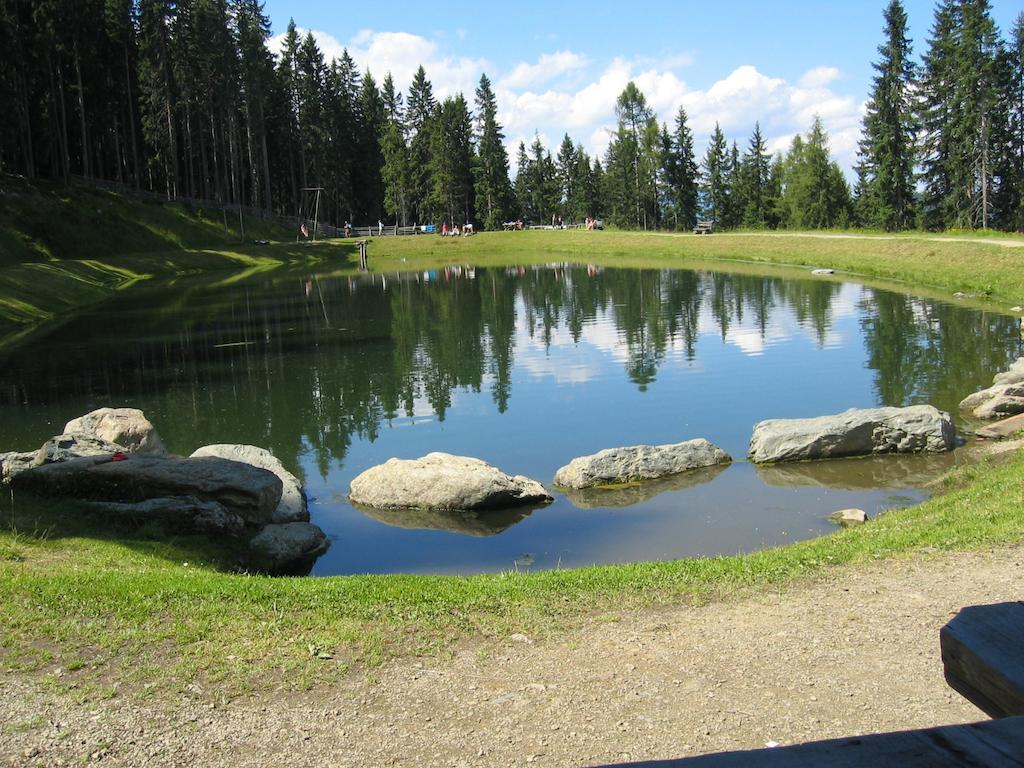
548, 67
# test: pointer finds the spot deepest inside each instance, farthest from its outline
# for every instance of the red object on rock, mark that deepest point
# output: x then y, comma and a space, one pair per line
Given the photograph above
119, 456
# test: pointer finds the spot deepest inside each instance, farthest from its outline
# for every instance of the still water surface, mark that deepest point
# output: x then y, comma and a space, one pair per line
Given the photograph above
525, 368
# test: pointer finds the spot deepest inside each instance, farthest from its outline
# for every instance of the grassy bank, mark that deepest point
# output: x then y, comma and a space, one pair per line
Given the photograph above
47, 222
92, 613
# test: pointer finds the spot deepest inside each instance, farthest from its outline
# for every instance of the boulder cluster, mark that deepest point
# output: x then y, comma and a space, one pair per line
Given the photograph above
114, 462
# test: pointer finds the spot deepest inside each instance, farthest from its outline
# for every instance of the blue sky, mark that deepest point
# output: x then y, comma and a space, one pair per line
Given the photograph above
558, 66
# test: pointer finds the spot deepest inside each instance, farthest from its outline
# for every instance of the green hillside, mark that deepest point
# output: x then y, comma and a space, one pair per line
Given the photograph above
43, 222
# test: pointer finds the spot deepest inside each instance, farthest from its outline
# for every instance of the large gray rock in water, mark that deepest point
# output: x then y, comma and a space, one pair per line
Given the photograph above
996, 402
14, 462
56, 449
243, 490
443, 481
293, 507
184, 513
126, 427
73, 446
639, 462
856, 432
287, 548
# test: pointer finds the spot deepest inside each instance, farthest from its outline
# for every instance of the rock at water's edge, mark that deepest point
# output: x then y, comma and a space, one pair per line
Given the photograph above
856, 432
287, 548
243, 490
847, 517
293, 507
127, 427
443, 481
639, 462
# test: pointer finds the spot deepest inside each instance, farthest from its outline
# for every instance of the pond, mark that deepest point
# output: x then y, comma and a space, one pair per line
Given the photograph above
525, 368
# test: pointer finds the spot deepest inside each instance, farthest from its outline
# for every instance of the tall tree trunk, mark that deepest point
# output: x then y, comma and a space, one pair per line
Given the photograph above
81, 109
131, 117
268, 200
65, 154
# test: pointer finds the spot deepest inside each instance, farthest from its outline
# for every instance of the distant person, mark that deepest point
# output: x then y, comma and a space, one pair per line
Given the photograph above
380, 227
348, 229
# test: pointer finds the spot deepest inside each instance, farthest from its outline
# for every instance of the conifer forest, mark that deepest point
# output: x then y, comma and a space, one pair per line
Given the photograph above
184, 98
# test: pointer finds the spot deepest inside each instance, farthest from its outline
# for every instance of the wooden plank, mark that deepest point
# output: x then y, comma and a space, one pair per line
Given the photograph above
1003, 428
983, 657
991, 744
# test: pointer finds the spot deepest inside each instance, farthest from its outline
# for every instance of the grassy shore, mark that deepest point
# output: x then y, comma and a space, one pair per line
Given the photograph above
93, 612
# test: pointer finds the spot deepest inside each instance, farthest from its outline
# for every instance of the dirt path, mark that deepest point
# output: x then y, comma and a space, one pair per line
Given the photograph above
856, 651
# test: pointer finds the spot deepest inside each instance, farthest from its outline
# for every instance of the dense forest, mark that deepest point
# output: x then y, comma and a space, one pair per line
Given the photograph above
184, 98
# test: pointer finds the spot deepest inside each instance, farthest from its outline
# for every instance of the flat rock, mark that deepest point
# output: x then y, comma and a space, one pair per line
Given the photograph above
185, 513
856, 432
293, 507
443, 481
287, 548
639, 462
126, 427
73, 446
998, 401
246, 491
846, 517
823, 271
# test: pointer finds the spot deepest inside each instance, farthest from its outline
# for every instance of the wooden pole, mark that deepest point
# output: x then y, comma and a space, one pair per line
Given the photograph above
316, 214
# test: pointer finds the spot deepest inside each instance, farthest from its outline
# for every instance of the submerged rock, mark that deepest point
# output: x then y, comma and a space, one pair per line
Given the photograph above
293, 507
639, 462
126, 427
248, 492
856, 432
443, 481
628, 494
288, 548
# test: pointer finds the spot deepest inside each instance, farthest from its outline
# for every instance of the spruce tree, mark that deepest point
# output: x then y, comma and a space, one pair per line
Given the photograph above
493, 188
753, 178
887, 146
680, 171
714, 191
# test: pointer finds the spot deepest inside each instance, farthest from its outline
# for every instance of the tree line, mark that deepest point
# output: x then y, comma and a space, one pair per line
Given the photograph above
183, 97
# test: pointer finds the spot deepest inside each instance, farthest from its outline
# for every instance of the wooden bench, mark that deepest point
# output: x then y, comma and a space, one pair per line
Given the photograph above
703, 227
990, 744
983, 657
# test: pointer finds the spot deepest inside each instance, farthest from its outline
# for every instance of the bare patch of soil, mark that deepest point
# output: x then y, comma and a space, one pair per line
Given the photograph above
855, 651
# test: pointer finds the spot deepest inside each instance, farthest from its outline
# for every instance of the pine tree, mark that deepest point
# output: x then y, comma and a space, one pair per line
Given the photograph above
451, 162
1012, 202
493, 188
887, 147
714, 190
680, 171
631, 161
753, 178
421, 109
960, 115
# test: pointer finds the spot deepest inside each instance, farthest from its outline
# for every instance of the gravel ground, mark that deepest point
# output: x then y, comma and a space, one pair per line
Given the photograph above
855, 651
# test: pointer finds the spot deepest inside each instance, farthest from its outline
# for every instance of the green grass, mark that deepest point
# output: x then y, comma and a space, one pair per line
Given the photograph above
46, 222
144, 614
